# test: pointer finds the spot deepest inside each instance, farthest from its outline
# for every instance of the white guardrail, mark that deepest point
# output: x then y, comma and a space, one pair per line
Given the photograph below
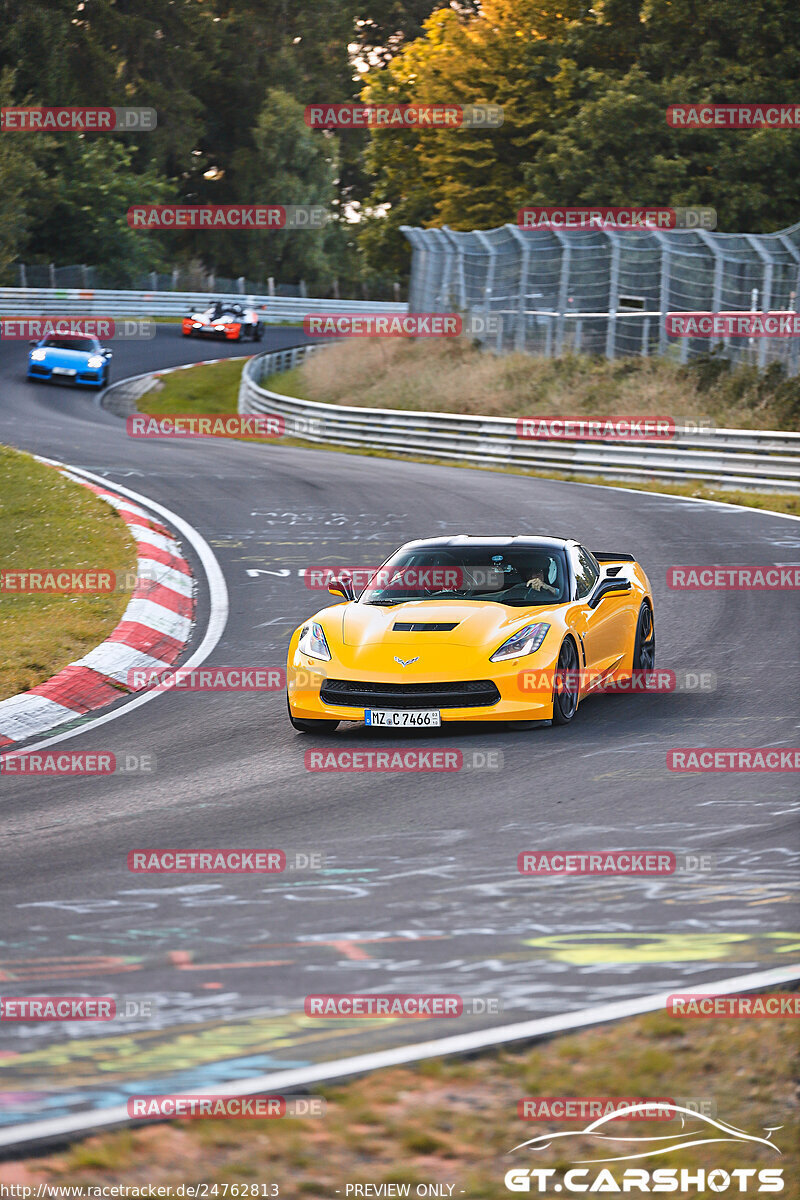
736, 458
90, 302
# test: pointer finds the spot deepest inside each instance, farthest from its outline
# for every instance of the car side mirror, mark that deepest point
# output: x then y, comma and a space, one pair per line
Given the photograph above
106, 353
33, 343
606, 587
342, 587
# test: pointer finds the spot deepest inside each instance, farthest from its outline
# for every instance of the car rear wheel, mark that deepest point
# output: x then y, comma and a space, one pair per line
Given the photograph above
314, 725
566, 686
644, 647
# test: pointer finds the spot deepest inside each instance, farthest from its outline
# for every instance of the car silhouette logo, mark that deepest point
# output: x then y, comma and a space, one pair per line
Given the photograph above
406, 662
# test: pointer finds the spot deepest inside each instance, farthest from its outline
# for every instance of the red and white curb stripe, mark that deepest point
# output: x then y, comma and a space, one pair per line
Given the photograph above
152, 634
206, 362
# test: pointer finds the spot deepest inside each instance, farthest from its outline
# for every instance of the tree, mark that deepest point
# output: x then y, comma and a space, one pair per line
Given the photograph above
19, 176
289, 163
81, 207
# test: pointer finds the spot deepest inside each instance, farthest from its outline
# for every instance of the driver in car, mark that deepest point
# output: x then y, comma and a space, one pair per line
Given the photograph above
537, 582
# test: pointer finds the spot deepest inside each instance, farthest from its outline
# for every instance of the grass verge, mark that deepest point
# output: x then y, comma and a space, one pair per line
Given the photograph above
213, 390
454, 1122
48, 521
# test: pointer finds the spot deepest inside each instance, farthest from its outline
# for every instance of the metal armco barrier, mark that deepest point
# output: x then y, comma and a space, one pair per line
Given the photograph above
36, 302
736, 458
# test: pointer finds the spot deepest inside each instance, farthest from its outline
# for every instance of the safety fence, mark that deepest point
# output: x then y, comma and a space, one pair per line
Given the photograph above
608, 292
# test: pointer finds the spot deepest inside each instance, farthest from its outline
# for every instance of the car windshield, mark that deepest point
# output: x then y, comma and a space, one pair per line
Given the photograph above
518, 576
69, 343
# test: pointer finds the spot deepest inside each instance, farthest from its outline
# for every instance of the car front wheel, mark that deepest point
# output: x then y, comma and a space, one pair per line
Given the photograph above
566, 686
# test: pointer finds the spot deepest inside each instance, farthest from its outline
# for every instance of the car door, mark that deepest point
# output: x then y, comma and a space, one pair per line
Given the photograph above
602, 630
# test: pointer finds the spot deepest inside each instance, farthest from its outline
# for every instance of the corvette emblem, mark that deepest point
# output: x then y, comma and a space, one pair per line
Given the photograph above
406, 662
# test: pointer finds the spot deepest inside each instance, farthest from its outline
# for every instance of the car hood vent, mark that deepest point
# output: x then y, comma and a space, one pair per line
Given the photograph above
424, 626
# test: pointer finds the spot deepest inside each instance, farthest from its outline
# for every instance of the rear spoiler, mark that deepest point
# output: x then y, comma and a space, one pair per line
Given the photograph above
606, 557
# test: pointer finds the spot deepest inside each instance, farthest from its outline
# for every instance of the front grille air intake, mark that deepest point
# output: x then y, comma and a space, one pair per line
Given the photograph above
354, 693
424, 626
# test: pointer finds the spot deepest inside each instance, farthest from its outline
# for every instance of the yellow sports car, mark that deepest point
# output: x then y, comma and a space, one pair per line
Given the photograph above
472, 629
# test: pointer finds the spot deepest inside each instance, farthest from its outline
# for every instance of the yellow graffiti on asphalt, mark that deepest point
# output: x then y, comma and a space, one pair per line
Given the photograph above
586, 949
145, 1053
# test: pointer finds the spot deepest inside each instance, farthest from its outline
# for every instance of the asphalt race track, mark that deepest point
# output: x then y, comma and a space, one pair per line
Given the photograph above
420, 890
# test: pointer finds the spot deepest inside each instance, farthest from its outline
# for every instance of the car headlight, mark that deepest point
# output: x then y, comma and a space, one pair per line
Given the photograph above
312, 641
525, 641
38, 355
94, 361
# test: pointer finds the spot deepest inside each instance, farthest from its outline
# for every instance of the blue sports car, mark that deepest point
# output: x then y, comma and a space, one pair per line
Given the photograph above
69, 358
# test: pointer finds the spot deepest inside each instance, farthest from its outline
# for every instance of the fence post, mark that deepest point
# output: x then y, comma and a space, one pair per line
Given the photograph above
719, 264
270, 287
766, 289
563, 288
794, 343
613, 295
240, 285
488, 286
175, 273
85, 275
23, 276
302, 288
52, 275
520, 324
664, 289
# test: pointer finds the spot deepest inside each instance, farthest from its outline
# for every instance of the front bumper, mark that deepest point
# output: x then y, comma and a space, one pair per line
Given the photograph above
319, 690
87, 378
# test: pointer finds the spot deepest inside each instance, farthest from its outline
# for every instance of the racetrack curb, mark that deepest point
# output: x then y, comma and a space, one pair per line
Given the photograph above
153, 633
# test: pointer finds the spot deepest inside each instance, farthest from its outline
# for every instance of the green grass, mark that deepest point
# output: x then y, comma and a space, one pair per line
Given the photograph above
48, 521
457, 1123
209, 390
214, 390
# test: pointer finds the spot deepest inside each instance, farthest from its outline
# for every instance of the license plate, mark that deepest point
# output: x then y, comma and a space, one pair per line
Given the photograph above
63, 371
398, 718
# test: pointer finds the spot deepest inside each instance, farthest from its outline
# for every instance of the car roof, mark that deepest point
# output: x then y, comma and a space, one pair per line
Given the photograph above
519, 541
